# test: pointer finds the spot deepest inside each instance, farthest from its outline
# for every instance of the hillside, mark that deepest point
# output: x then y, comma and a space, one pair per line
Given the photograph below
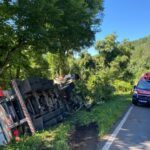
140, 58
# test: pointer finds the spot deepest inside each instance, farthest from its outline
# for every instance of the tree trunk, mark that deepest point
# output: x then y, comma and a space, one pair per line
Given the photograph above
18, 72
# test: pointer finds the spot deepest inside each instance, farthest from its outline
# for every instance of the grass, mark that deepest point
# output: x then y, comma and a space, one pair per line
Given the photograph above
56, 138
105, 115
52, 139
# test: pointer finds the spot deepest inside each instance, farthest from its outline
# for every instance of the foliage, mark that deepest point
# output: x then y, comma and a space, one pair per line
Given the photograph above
58, 64
140, 57
53, 139
99, 72
116, 56
108, 48
122, 86
23, 65
42, 26
106, 114
99, 86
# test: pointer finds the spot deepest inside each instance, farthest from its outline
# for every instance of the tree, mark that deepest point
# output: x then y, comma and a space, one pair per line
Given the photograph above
43, 25
140, 57
24, 64
107, 48
58, 64
115, 56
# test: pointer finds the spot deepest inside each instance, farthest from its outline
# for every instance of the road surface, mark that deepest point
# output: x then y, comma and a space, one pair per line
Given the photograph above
134, 133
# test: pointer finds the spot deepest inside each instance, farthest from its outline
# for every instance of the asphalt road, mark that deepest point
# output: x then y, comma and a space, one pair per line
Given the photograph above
135, 132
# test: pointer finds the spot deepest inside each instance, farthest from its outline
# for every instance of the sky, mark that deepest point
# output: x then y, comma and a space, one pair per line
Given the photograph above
129, 19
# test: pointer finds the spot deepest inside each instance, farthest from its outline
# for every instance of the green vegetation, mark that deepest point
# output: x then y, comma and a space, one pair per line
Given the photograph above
42, 38
140, 57
55, 138
31, 28
105, 73
104, 115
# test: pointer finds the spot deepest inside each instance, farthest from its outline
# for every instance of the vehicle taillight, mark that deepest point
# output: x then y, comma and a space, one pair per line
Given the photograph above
16, 135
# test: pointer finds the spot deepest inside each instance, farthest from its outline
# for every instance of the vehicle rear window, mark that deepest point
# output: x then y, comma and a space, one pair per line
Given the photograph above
143, 84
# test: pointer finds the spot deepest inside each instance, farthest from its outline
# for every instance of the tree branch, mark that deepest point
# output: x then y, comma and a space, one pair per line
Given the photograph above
8, 55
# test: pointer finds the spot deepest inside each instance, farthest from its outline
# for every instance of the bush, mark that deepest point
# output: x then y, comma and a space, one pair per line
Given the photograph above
99, 86
122, 86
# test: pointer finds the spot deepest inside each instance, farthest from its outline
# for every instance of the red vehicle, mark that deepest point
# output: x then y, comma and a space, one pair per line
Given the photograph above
141, 93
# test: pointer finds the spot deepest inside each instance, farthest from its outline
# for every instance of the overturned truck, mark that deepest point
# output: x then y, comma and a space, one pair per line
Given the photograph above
31, 105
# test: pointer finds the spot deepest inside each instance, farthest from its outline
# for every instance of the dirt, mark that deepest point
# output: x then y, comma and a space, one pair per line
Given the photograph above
84, 138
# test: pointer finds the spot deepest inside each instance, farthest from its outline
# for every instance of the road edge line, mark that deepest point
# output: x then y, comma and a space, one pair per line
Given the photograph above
112, 137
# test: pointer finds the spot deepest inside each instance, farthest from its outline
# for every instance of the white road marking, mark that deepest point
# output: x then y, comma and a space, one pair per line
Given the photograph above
116, 131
